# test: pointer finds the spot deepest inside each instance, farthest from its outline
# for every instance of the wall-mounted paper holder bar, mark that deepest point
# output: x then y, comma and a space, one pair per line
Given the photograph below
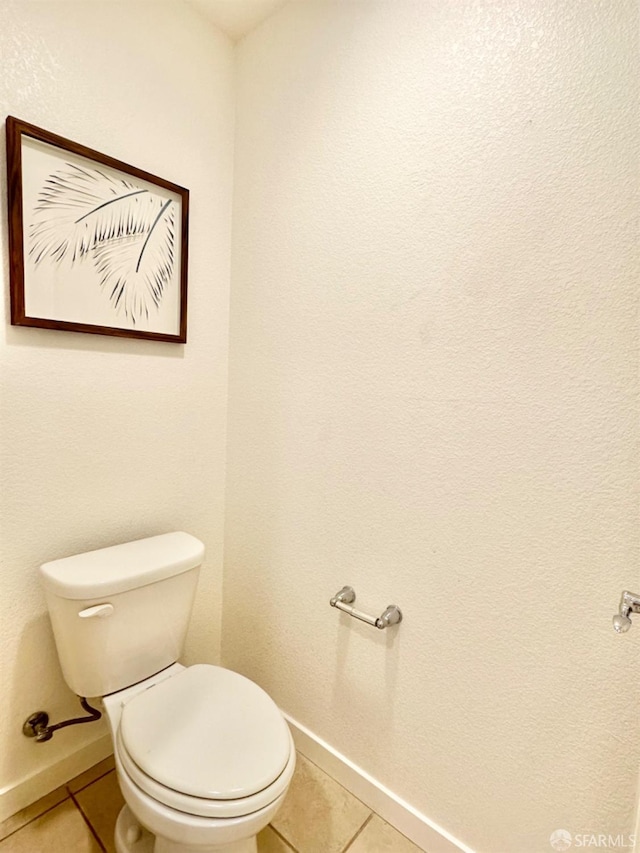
344, 599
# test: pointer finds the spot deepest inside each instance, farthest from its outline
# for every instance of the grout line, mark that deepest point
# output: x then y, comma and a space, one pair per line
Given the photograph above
68, 795
351, 794
340, 785
282, 838
362, 828
86, 820
31, 820
334, 780
84, 787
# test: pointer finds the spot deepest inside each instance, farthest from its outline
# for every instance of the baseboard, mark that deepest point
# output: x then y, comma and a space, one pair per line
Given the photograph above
407, 820
31, 788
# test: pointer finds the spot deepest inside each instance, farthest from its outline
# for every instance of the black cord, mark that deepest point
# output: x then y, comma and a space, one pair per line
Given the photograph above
95, 715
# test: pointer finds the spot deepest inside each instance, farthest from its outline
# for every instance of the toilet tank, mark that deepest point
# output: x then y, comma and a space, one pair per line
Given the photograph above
120, 614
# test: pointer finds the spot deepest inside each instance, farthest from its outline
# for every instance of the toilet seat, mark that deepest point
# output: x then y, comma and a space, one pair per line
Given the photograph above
202, 807
206, 742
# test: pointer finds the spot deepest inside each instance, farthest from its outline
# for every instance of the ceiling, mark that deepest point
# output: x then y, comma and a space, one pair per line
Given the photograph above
237, 17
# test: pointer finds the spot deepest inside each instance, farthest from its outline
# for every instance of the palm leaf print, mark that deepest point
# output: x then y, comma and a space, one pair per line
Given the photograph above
135, 269
126, 230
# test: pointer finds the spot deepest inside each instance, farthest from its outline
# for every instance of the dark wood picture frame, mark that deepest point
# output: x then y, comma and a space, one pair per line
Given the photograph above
122, 232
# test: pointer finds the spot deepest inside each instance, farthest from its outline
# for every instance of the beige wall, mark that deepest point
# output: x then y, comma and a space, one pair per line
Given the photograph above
104, 440
433, 397
433, 386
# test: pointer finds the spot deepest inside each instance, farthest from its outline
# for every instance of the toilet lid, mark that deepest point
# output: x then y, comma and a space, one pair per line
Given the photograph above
207, 732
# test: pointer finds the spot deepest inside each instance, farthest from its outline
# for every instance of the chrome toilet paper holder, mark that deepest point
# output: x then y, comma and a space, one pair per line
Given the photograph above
344, 599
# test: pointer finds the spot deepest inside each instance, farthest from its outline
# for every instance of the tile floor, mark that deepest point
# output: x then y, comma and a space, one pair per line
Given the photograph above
318, 816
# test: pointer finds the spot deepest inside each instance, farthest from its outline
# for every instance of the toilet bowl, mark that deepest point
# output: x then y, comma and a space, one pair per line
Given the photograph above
203, 755
204, 759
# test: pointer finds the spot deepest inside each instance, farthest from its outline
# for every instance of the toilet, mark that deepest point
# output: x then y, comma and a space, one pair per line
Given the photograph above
203, 755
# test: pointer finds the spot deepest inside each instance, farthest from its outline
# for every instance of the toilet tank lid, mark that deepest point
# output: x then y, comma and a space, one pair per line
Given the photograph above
119, 568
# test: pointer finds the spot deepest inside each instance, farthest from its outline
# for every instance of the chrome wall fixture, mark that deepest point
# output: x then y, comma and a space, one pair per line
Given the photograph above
37, 725
629, 603
344, 599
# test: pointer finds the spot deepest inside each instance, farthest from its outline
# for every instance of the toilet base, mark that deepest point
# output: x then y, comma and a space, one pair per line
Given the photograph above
132, 837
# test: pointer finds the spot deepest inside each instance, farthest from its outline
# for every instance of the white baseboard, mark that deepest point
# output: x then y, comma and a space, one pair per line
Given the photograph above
31, 788
407, 820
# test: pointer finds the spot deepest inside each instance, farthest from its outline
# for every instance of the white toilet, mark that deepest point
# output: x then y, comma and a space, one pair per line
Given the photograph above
204, 756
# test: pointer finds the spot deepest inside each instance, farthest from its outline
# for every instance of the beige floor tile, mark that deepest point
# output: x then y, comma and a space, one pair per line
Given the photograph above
318, 814
21, 818
270, 842
91, 775
60, 830
379, 837
100, 802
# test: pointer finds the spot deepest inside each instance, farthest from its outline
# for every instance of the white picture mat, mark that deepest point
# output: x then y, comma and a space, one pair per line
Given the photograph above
71, 291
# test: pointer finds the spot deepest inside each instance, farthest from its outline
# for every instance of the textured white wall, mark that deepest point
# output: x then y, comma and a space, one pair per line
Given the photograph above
104, 440
433, 398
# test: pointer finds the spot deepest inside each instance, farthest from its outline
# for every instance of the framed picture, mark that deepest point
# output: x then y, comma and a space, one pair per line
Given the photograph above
95, 245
